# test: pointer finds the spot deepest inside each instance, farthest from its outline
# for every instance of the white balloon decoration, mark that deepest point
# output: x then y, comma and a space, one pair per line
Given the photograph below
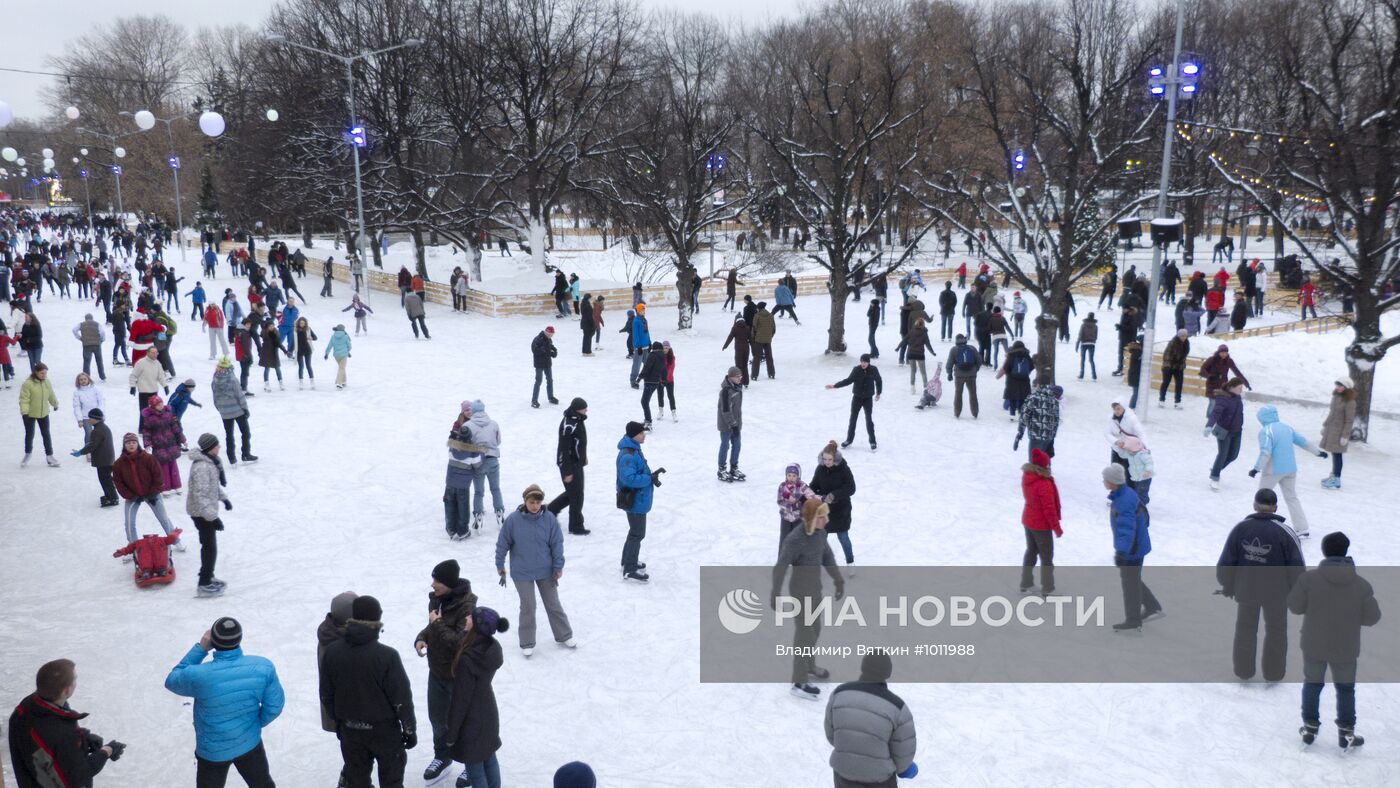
211, 123
75, 159
72, 113
145, 121
6, 115
48, 153
120, 152
272, 115
48, 162
47, 167
9, 154
20, 161
82, 151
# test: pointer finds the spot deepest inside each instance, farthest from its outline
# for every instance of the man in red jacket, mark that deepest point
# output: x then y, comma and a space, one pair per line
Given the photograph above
1041, 517
1307, 297
139, 480
47, 745
214, 325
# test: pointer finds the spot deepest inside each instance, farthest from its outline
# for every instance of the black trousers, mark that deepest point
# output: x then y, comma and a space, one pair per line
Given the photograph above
361, 749
251, 765
1168, 376
104, 478
858, 404
243, 431
571, 497
1275, 638
43, 423
208, 546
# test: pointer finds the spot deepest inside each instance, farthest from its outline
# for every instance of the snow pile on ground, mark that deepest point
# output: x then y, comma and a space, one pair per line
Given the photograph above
347, 495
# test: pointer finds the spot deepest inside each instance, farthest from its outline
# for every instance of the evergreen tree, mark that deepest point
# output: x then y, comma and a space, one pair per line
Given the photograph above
1097, 251
209, 214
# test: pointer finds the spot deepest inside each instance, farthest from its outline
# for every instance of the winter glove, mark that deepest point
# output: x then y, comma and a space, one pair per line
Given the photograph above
76, 453
1206, 433
1253, 472
1016, 444
910, 773
840, 590
1322, 454
117, 749
133, 391
503, 578
228, 505
410, 740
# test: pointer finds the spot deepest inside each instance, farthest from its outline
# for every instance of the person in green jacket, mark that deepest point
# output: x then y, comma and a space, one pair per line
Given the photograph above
36, 401
339, 344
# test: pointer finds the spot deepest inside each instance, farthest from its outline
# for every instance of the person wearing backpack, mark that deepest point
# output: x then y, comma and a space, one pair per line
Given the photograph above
963, 365
1128, 519
1017, 370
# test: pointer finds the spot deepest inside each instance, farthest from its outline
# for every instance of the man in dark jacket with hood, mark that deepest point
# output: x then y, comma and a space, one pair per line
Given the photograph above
571, 456
653, 375
48, 746
866, 388
870, 729
543, 352
1257, 567
449, 603
332, 629
1335, 604
365, 690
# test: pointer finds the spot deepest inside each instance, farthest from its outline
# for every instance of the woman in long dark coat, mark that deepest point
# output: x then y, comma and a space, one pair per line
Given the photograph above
833, 481
473, 721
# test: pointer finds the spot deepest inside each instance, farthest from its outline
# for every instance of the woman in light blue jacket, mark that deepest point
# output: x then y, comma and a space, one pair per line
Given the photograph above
1277, 466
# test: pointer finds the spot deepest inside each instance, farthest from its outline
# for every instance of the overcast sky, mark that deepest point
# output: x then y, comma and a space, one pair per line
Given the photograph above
47, 29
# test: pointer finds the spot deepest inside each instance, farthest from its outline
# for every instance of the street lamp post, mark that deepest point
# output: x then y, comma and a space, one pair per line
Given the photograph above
357, 134
714, 164
174, 162
1181, 79
117, 153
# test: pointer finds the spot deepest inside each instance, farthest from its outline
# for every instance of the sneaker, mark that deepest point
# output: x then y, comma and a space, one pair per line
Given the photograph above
52, 461
464, 780
570, 643
636, 575
806, 692
435, 769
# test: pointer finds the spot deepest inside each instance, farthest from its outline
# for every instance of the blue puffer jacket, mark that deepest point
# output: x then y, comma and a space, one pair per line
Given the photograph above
1276, 442
632, 471
1130, 537
235, 697
339, 344
783, 296
535, 544
641, 336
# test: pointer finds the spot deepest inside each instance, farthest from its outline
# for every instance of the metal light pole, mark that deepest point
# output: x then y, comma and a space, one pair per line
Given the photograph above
356, 142
174, 162
1173, 84
116, 168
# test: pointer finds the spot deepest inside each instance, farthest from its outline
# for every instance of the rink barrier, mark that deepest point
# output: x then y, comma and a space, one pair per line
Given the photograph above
1195, 384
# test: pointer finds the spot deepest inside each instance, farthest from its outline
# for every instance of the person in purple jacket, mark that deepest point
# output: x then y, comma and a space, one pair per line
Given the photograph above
1226, 425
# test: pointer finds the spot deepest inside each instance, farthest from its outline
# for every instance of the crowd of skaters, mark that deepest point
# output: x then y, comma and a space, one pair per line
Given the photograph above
530, 543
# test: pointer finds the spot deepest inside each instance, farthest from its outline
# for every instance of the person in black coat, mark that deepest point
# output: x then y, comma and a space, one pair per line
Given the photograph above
48, 747
543, 350
866, 389
561, 294
750, 309
653, 376
833, 481
100, 449
571, 456
365, 690
947, 309
739, 336
873, 314
586, 323
1239, 313
1260, 562
474, 721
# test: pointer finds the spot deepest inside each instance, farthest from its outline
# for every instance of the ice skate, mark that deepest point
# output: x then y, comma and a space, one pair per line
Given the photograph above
180, 546
806, 692
1332, 483
737, 475
500, 517
674, 417
209, 589
527, 652
301, 385
636, 575
435, 769
1215, 484
249, 457
51, 461
724, 476
1348, 740
569, 643
280, 386
267, 388
1309, 733
647, 425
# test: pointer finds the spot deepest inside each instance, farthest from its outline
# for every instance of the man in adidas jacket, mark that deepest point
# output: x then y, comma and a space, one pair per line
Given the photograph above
870, 729
1257, 568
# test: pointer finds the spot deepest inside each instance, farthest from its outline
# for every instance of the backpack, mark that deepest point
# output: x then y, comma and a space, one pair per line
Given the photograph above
1021, 366
964, 358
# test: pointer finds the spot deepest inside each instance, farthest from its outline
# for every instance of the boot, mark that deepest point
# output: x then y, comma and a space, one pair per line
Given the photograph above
1309, 732
1348, 740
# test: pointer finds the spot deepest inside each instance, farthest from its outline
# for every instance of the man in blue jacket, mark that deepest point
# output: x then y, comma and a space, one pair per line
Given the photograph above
1131, 544
235, 697
636, 480
1276, 465
1258, 565
641, 342
532, 538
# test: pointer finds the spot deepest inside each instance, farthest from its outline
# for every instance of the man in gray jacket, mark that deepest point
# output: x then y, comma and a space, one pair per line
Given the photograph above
1335, 604
730, 420
870, 729
90, 333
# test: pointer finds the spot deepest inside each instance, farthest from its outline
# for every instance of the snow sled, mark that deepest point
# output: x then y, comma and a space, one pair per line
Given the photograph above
154, 565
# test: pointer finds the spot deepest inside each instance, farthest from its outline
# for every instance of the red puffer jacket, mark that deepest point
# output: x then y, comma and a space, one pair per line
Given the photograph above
137, 474
1042, 509
1215, 300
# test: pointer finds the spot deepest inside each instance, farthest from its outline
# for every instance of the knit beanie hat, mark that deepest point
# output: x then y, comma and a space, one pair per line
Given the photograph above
96, 413
207, 441
488, 622
1114, 474
876, 667
578, 404
448, 572
575, 774
366, 608
1335, 544
226, 634
478, 406
342, 606
1040, 458
635, 428
224, 363
734, 372
794, 468
189, 383
133, 437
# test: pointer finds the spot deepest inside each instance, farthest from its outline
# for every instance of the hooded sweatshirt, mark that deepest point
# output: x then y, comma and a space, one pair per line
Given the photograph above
1276, 442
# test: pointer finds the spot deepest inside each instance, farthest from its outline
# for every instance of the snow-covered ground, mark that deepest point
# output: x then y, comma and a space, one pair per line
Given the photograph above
347, 496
